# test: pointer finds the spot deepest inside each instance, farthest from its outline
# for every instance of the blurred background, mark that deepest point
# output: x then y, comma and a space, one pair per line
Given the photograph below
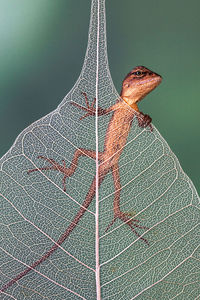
43, 45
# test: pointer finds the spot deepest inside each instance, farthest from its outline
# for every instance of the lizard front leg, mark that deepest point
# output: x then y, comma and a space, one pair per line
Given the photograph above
144, 120
118, 214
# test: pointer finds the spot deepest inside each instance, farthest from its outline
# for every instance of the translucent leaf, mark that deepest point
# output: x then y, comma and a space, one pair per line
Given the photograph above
92, 263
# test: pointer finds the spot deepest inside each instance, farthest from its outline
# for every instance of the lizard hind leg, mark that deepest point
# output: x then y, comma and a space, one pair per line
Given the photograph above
67, 172
118, 214
53, 165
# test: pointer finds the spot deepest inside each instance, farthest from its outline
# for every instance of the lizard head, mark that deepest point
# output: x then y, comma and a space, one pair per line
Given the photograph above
138, 83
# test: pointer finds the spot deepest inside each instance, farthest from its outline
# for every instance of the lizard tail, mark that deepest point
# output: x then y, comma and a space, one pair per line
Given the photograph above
90, 195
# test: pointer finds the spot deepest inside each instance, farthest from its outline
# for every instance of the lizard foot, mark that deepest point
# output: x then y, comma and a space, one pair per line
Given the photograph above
132, 223
89, 109
53, 166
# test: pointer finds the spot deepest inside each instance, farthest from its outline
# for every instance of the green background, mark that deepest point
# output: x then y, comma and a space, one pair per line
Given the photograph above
43, 45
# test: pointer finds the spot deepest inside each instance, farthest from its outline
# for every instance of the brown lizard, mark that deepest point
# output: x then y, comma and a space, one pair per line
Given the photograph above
136, 85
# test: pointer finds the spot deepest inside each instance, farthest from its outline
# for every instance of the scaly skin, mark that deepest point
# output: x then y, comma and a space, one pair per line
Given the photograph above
136, 85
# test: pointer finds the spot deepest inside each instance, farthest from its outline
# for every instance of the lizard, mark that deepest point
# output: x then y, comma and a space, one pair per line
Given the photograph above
136, 85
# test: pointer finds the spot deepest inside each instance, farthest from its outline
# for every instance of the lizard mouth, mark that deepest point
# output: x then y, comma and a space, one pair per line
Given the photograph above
156, 79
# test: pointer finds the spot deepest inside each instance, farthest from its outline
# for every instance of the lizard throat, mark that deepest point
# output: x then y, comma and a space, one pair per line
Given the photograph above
133, 105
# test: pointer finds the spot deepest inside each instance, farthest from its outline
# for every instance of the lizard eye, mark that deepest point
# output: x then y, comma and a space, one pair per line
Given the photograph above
138, 73
126, 85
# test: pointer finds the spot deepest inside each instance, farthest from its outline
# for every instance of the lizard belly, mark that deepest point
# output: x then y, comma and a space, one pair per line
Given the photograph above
116, 135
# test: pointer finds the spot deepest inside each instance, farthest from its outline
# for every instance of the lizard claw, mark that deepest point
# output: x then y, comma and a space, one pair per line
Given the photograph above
110, 224
144, 121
